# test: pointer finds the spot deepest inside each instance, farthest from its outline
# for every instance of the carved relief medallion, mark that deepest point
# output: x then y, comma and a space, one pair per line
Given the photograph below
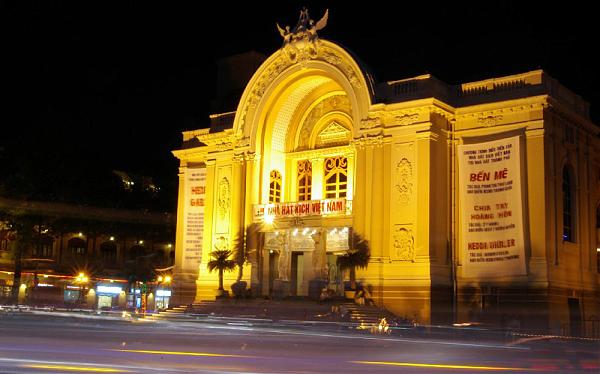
404, 244
224, 200
403, 186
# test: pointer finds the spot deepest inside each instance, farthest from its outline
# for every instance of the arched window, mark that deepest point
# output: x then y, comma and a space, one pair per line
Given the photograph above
568, 189
336, 177
43, 247
304, 180
108, 250
76, 247
275, 187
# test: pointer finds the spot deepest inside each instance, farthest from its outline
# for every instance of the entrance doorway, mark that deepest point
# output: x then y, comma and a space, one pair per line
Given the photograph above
297, 276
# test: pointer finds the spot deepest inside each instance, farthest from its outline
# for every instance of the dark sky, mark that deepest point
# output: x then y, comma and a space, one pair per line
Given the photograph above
117, 82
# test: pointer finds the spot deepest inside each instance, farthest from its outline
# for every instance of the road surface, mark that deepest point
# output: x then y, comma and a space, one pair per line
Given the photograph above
51, 344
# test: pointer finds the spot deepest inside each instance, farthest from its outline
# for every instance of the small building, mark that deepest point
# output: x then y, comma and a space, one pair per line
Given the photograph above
66, 243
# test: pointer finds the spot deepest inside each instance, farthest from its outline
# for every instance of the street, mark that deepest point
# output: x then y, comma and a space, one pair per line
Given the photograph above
51, 344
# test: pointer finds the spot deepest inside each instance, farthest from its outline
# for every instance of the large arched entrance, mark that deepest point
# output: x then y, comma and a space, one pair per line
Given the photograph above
300, 125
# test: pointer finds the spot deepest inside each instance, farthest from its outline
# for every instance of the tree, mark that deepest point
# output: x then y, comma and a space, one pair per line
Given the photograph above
140, 268
22, 225
240, 248
357, 256
221, 262
241, 256
239, 253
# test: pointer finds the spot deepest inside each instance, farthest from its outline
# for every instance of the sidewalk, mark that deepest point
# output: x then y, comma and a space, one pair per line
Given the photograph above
303, 310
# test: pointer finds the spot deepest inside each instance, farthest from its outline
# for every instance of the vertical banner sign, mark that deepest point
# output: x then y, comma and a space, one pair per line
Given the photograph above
492, 243
193, 222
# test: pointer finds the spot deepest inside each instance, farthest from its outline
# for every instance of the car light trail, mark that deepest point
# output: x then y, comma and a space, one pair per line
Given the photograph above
203, 354
437, 366
75, 368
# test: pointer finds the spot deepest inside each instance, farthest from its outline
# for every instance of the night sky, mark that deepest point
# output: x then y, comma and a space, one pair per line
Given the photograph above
112, 85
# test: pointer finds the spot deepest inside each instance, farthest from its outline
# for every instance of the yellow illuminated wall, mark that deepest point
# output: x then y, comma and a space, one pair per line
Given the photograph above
400, 141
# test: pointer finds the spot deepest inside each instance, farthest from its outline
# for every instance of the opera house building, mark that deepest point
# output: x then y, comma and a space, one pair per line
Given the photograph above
479, 201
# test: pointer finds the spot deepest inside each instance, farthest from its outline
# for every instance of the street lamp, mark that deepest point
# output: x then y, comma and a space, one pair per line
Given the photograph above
81, 280
162, 281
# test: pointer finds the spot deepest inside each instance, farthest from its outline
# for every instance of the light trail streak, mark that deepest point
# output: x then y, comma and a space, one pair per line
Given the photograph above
177, 353
439, 366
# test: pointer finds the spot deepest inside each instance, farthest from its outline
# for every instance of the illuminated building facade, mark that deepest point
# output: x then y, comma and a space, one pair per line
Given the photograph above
479, 198
82, 255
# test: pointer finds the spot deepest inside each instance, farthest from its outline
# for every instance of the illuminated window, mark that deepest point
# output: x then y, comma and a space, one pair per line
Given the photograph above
568, 205
304, 180
77, 247
275, 187
336, 177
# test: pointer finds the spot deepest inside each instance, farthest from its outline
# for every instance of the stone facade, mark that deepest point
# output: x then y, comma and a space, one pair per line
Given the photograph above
399, 142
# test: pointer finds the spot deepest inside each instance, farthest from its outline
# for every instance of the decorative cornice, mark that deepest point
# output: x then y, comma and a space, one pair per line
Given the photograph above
253, 157
224, 146
368, 141
405, 119
223, 141
242, 142
239, 158
311, 154
384, 118
489, 121
216, 137
501, 111
370, 122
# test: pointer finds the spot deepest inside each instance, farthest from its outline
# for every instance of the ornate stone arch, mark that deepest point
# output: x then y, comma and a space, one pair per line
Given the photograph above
334, 101
334, 128
277, 74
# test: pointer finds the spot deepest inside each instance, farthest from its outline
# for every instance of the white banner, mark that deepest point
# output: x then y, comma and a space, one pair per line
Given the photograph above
193, 221
492, 243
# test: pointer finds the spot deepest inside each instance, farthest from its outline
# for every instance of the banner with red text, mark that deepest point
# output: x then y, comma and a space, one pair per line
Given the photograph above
325, 207
193, 217
491, 207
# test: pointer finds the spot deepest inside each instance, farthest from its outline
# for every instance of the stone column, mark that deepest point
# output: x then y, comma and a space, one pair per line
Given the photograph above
252, 239
281, 286
319, 262
319, 258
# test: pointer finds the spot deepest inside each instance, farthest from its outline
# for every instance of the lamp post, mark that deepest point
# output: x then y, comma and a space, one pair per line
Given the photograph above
81, 280
162, 281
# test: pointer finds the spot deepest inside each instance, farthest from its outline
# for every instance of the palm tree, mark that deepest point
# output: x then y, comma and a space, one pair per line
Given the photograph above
221, 262
240, 250
240, 255
357, 256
